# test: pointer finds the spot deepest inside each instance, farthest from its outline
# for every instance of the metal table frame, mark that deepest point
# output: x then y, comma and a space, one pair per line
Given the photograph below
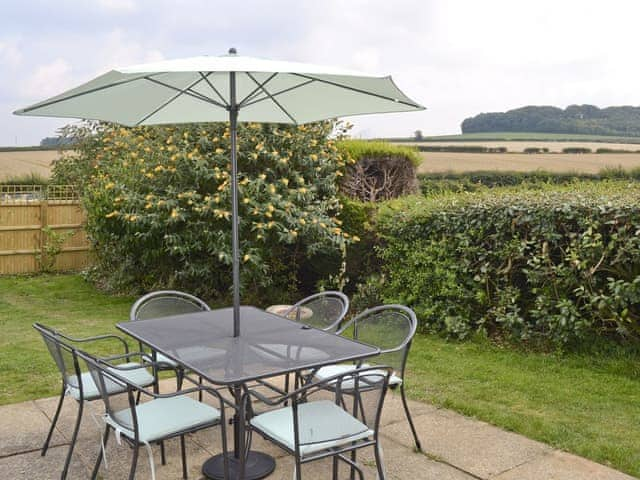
200, 327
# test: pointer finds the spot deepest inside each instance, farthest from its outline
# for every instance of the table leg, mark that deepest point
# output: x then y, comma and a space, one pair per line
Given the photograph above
256, 464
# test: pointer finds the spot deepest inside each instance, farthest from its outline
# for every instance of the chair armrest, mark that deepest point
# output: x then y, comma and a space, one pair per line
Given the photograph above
95, 338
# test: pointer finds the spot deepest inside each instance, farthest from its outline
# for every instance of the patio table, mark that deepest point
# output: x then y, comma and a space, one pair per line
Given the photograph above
268, 346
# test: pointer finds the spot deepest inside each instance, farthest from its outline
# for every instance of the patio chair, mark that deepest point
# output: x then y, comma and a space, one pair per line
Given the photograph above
80, 385
324, 310
163, 417
391, 328
164, 303
312, 429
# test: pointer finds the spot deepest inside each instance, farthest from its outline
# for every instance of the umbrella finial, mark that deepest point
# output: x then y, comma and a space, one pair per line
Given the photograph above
232, 51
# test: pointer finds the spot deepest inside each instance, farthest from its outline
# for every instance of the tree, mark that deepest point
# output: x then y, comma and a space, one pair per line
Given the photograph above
418, 135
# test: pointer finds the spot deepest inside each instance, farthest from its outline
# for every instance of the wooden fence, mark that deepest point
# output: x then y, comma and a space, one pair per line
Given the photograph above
41, 228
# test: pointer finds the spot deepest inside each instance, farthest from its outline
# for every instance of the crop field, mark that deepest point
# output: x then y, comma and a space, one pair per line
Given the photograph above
523, 136
18, 163
436, 162
519, 146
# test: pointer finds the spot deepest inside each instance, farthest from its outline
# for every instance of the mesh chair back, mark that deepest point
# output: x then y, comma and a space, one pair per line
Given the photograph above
116, 392
165, 303
389, 327
63, 355
324, 310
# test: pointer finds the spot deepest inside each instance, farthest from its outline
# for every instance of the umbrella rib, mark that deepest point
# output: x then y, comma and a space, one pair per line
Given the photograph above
358, 90
206, 79
167, 102
80, 94
303, 84
196, 95
272, 99
257, 89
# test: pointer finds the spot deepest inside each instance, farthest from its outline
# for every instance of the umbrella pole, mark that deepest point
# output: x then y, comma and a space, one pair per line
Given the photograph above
235, 242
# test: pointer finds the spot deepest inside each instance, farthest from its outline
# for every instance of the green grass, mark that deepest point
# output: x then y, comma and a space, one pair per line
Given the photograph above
588, 405
585, 404
521, 136
65, 302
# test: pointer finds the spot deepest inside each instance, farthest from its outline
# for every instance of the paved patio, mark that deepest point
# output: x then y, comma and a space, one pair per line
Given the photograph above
457, 448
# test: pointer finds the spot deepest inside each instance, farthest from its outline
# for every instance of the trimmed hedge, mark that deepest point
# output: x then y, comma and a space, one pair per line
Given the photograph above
544, 267
438, 183
461, 149
576, 150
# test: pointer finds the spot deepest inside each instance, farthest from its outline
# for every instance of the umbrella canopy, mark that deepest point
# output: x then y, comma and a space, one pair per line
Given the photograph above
226, 88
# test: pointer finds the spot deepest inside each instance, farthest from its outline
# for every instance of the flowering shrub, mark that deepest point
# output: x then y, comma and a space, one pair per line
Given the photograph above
158, 201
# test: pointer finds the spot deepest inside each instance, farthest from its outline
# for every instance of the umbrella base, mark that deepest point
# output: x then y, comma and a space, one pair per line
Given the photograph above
258, 465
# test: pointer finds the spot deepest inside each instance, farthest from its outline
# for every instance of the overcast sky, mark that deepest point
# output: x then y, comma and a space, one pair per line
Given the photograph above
457, 57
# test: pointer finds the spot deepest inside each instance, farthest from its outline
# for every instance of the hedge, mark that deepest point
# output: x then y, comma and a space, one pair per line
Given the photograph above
555, 267
462, 149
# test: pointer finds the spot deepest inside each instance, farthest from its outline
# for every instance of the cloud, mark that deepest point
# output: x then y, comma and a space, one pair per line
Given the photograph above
118, 5
457, 57
48, 80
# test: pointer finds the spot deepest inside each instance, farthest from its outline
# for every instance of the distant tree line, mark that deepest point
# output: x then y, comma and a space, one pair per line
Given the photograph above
582, 119
56, 141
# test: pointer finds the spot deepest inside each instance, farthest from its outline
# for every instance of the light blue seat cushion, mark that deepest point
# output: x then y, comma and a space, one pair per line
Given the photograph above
164, 417
138, 376
332, 370
322, 425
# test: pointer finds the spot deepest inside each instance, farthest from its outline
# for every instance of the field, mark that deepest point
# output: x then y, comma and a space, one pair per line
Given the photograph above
19, 163
519, 146
436, 162
522, 136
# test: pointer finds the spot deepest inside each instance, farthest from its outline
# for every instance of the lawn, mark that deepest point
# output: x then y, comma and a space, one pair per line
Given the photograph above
587, 405
583, 404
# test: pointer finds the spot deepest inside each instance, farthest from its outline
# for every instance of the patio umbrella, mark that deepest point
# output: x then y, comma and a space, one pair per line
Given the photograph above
230, 88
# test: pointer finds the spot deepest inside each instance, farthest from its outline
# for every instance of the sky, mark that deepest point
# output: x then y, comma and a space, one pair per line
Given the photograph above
456, 57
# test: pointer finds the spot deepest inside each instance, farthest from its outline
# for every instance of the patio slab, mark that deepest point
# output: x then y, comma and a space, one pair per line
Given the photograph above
557, 465
472, 446
23, 428
456, 448
32, 466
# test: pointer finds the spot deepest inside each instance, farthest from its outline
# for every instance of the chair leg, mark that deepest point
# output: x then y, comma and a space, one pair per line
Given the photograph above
163, 457
408, 414
74, 437
179, 378
184, 457
45, 447
335, 468
151, 465
379, 463
134, 462
105, 439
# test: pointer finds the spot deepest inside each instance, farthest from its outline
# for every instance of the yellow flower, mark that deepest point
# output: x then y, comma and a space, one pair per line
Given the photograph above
112, 214
245, 200
254, 156
109, 186
159, 168
293, 233
302, 190
272, 188
302, 221
262, 176
219, 150
161, 203
174, 213
246, 257
285, 181
148, 197
149, 175
271, 208
148, 206
313, 157
133, 218
356, 238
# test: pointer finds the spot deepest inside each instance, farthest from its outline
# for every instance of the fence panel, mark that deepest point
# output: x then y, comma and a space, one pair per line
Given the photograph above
41, 228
